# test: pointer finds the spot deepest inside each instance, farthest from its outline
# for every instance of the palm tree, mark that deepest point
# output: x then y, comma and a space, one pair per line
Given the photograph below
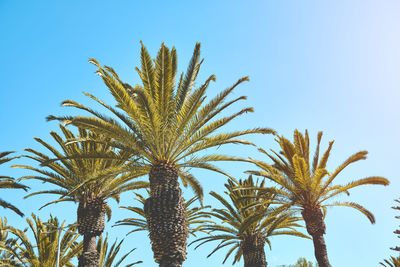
7, 182
84, 172
196, 217
168, 126
108, 255
303, 262
250, 225
309, 185
43, 252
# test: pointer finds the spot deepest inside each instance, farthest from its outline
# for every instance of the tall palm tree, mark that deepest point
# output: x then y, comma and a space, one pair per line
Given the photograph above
7, 182
108, 254
308, 185
85, 172
43, 251
168, 124
196, 217
249, 224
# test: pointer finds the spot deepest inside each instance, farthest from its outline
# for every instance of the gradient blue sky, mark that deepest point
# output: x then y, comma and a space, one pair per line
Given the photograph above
317, 65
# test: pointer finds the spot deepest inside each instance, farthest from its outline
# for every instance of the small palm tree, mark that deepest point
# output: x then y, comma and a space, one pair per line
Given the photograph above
308, 185
85, 172
108, 255
196, 217
303, 262
249, 224
7, 182
167, 124
43, 251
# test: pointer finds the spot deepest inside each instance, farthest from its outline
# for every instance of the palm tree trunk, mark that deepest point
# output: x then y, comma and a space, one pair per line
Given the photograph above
166, 216
253, 251
315, 224
90, 225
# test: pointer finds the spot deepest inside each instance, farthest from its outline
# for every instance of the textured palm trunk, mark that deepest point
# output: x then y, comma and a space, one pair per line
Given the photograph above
166, 216
90, 225
314, 220
253, 251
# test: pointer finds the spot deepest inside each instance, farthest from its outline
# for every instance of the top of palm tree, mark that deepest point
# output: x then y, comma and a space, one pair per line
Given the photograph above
247, 217
306, 182
7, 182
83, 170
163, 120
43, 252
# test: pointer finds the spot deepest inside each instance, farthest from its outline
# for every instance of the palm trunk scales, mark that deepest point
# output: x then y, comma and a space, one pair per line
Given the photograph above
90, 225
315, 224
253, 251
166, 216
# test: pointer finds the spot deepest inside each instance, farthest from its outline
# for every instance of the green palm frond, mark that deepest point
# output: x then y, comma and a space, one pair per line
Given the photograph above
108, 255
245, 215
163, 119
310, 184
43, 250
7, 182
84, 170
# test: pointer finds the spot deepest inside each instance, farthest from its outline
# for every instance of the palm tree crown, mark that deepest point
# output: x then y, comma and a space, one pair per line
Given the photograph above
43, 252
308, 185
250, 223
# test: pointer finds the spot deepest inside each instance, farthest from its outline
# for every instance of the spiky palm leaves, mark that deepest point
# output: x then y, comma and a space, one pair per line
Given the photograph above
250, 224
196, 217
8, 249
7, 182
167, 124
392, 262
108, 254
308, 185
43, 251
302, 262
85, 172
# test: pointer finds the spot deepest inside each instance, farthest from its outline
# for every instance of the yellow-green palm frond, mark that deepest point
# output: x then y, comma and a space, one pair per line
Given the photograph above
43, 250
108, 255
245, 215
307, 185
163, 120
85, 169
392, 262
7, 182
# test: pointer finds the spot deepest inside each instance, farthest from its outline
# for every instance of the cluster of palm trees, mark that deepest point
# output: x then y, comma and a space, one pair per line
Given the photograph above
160, 129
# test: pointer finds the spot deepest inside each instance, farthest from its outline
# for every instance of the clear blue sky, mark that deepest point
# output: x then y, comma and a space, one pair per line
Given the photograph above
316, 65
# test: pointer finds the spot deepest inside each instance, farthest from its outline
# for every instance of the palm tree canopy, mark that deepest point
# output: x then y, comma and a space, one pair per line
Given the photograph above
307, 183
196, 217
164, 120
43, 251
7, 182
83, 170
392, 262
247, 217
